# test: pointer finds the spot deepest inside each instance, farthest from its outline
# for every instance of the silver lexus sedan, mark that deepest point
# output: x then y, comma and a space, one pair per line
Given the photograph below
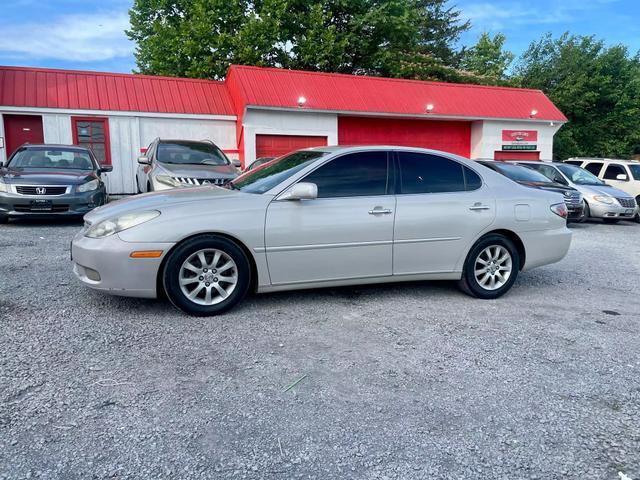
324, 217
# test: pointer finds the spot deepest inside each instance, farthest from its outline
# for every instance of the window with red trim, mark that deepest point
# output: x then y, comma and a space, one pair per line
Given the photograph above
93, 133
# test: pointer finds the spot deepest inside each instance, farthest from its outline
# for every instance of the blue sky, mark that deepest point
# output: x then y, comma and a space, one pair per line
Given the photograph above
90, 34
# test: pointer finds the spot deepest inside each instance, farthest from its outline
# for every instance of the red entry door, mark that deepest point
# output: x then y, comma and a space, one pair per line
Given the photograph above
277, 145
511, 155
20, 129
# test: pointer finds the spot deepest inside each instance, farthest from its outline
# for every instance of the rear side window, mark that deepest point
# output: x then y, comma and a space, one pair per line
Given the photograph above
472, 179
353, 175
593, 167
424, 173
613, 170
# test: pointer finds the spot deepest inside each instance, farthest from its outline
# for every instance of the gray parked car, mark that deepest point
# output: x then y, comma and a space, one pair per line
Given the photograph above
51, 180
324, 217
600, 200
182, 163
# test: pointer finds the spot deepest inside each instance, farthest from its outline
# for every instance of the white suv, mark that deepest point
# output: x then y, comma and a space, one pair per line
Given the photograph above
622, 174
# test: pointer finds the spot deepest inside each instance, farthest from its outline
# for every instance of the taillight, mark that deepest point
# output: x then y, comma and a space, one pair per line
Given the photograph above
560, 209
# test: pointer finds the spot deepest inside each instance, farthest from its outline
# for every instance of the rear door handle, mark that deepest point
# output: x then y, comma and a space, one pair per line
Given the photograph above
379, 210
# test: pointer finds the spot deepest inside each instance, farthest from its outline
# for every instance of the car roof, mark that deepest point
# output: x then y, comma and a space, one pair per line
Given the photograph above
596, 159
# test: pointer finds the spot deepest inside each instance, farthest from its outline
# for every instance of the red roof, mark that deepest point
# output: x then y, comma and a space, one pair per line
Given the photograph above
79, 90
273, 87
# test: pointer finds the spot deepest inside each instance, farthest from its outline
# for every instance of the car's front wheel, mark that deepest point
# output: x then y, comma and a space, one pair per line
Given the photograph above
491, 267
206, 275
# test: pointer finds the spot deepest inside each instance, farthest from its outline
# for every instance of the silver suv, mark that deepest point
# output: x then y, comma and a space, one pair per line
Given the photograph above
182, 163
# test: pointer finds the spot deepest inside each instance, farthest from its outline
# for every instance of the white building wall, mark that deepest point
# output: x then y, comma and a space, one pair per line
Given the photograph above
272, 122
57, 128
486, 136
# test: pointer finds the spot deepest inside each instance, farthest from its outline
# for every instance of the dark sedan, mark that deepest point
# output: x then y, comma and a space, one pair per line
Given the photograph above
51, 180
531, 178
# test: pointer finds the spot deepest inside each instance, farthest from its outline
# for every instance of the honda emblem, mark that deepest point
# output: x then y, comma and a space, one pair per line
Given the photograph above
41, 190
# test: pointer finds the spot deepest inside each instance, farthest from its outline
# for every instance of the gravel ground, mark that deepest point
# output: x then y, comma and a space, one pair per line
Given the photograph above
400, 381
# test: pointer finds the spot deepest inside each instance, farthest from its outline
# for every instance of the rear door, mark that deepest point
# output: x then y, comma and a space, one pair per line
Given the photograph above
345, 233
441, 207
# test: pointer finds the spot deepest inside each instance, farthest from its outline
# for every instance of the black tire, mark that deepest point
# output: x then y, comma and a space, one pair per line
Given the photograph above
637, 217
470, 285
4, 219
586, 213
175, 260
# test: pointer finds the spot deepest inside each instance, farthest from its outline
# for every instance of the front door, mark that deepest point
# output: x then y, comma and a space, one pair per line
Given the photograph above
21, 129
345, 233
441, 208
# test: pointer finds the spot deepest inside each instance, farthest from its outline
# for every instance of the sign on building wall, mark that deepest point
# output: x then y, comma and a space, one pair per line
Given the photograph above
519, 140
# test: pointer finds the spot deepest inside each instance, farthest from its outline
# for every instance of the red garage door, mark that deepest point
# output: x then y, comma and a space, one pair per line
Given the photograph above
453, 137
502, 155
277, 145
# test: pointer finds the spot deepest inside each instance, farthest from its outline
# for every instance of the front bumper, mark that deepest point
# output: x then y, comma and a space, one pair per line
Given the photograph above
575, 210
601, 210
104, 264
72, 204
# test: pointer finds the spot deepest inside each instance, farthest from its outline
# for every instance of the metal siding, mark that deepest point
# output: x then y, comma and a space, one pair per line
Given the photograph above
452, 136
69, 89
272, 87
277, 145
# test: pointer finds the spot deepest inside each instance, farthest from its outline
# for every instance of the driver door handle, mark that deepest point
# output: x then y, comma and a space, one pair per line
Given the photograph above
479, 206
379, 210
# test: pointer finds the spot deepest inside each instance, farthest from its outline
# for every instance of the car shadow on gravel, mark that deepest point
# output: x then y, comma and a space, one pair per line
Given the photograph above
44, 222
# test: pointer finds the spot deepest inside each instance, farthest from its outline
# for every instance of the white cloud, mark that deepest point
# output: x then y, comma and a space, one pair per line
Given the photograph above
501, 16
80, 38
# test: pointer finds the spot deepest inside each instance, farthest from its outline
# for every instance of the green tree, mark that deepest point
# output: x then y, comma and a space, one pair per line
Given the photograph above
488, 58
201, 38
596, 87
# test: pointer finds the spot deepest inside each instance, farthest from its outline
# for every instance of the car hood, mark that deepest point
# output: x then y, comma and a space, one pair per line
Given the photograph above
199, 171
602, 190
159, 200
46, 176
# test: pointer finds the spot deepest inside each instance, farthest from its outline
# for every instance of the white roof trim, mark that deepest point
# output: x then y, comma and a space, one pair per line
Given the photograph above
425, 116
115, 113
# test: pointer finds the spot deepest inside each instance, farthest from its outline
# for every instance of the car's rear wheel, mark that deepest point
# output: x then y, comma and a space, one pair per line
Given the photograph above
206, 275
491, 267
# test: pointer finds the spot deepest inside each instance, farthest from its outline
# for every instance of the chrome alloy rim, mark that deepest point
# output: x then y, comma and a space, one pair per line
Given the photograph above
208, 276
493, 267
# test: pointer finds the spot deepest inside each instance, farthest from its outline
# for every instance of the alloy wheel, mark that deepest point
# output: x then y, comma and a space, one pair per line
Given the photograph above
493, 267
208, 276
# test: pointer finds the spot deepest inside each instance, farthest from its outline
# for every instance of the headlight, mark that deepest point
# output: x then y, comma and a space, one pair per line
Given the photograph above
3, 187
603, 199
118, 224
167, 180
89, 186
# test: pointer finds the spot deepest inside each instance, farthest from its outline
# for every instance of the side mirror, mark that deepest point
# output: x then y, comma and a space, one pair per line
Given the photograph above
142, 160
236, 163
301, 191
106, 168
622, 177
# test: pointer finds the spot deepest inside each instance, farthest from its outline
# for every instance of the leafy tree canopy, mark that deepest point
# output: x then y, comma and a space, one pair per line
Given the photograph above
596, 87
488, 58
201, 38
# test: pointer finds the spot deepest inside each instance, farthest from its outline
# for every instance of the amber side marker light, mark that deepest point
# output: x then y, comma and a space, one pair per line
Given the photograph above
146, 254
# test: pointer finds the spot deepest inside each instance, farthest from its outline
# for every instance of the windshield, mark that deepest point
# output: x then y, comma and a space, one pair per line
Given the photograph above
267, 176
635, 171
520, 174
191, 153
578, 175
46, 157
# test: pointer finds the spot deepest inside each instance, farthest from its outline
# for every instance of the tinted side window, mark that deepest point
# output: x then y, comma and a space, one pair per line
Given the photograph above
423, 173
352, 175
593, 167
472, 179
613, 170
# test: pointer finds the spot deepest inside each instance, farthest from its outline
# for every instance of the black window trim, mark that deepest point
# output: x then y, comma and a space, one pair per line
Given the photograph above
613, 164
398, 175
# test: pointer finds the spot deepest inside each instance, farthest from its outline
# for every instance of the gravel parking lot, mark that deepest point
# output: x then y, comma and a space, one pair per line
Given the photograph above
398, 381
